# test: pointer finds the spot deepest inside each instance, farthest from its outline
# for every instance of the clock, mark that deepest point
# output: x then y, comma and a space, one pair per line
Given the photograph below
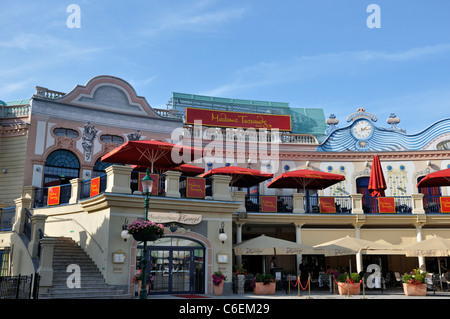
362, 130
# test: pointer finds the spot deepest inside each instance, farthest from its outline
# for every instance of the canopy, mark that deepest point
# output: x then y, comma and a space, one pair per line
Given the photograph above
306, 179
351, 245
240, 176
432, 247
185, 169
439, 178
150, 153
265, 245
377, 183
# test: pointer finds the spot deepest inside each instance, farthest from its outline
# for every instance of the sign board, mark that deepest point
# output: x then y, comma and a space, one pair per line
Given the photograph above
161, 218
386, 205
219, 118
95, 186
326, 205
269, 204
445, 204
195, 187
53, 195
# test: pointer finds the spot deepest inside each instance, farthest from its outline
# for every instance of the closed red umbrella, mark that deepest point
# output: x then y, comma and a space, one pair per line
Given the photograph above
439, 178
377, 184
306, 179
240, 176
150, 153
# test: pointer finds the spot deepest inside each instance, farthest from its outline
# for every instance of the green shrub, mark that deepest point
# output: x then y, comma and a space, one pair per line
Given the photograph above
355, 277
420, 278
407, 278
342, 277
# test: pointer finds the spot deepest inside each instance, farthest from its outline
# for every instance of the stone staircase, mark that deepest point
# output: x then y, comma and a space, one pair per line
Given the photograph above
93, 286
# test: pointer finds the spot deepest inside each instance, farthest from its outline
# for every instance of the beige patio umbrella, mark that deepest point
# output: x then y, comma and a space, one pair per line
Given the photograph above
432, 247
266, 245
353, 246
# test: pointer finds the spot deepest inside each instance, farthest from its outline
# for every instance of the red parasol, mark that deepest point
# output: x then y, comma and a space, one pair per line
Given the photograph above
439, 178
185, 169
150, 153
306, 179
377, 184
240, 176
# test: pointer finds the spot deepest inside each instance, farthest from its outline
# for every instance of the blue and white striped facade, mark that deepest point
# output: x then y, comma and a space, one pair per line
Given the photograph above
435, 137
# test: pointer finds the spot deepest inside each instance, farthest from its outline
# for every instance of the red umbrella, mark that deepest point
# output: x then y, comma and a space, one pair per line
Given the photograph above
377, 184
240, 176
185, 169
149, 153
439, 178
306, 179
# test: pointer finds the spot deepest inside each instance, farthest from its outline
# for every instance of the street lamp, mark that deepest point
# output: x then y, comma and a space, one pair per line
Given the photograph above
147, 184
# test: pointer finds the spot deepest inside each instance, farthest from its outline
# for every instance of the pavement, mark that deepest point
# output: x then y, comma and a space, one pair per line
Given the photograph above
393, 293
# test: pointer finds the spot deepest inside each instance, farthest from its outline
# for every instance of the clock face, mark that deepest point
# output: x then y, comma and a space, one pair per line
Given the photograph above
362, 129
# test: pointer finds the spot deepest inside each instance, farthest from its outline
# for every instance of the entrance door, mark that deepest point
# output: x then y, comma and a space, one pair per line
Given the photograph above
177, 266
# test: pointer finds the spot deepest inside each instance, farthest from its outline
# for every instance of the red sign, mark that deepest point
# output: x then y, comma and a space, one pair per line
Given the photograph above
155, 187
445, 204
269, 204
386, 204
95, 186
53, 195
326, 205
218, 118
195, 187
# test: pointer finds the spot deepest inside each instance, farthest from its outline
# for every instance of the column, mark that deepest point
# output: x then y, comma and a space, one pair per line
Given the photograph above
298, 206
238, 241
221, 187
359, 263
45, 269
37, 227
417, 204
357, 204
76, 190
172, 184
118, 179
419, 238
239, 196
298, 239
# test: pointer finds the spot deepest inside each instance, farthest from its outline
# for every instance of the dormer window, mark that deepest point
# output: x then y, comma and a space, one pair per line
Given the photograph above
66, 132
112, 139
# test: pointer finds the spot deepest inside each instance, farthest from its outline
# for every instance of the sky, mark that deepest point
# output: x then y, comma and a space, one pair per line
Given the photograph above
310, 53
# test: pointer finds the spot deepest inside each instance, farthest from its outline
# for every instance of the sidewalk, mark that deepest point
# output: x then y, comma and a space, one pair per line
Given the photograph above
395, 293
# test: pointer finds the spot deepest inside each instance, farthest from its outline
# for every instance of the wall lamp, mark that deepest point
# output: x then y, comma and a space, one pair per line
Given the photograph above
222, 236
124, 234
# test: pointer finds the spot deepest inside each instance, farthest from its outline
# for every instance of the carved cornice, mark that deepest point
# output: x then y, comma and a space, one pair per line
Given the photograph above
14, 130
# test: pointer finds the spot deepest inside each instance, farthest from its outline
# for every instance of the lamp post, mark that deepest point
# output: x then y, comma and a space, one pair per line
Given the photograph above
147, 184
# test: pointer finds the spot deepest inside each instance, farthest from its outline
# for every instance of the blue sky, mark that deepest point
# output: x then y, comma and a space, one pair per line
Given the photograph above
315, 53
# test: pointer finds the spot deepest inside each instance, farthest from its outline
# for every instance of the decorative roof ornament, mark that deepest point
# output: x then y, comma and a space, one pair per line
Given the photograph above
332, 123
393, 120
361, 113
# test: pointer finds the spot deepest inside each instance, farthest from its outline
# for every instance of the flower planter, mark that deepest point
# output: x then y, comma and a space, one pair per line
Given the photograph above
344, 288
145, 237
415, 290
218, 289
261, 289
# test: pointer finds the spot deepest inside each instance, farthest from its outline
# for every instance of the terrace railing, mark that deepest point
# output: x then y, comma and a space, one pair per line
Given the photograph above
41, 195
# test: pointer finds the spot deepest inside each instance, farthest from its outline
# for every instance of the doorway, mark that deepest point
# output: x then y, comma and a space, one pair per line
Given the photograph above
176, 265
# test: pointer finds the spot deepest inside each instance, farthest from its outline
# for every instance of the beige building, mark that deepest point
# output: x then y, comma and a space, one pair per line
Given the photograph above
57, 139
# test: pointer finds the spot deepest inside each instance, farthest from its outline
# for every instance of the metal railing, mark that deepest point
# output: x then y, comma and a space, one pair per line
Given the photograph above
86, 186
403, 205
342, 204
284, 203
432, 204
41, 195
19, 287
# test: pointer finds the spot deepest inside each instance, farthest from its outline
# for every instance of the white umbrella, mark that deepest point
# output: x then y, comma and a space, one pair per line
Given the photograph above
265, 245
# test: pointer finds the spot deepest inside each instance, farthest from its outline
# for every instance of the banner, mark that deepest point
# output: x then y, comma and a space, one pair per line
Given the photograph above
326, 205
53, 195
445, 204
155, 187
95, 186
218, 118
269, 204
195, 187
386, 205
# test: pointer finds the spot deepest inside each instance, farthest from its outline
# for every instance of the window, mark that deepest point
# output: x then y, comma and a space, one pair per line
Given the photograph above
65, 132
99, 168
60, 167
112, 139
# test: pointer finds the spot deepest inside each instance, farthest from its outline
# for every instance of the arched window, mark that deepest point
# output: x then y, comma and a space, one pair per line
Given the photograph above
60, 167
65, 132
112, 139
99, 167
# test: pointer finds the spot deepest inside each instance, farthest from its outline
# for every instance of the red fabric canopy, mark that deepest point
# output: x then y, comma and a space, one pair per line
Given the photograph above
377, 184
439, 178
150, 153
240, 176
306, 179
185, 169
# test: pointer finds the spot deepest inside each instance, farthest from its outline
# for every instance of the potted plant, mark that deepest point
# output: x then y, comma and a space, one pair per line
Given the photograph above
138, 279
240, 275
414, 283
264, 284
349, 284
145, 230
218, 279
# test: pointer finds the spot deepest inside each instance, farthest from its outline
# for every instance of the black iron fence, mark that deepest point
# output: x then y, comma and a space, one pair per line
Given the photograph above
19, 287
41, 195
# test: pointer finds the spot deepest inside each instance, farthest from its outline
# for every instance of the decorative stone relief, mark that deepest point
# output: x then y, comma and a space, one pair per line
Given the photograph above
89, 134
